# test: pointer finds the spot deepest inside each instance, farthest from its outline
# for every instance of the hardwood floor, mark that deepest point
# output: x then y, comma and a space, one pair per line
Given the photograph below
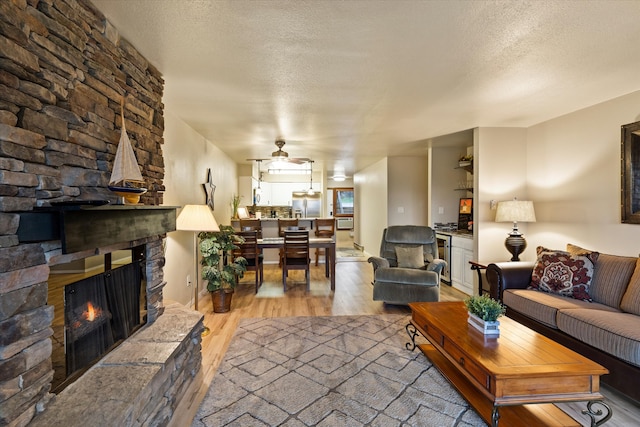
352, 297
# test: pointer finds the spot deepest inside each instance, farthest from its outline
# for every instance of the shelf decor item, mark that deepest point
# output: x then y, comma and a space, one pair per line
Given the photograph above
126, 177
484, 312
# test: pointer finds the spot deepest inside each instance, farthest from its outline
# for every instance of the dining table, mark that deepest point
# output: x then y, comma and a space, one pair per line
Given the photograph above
328, 243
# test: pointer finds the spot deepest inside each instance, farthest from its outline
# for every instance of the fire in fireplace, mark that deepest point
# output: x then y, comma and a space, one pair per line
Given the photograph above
100, 312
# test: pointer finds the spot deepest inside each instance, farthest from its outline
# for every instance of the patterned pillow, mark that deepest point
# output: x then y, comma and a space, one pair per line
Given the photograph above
562, 273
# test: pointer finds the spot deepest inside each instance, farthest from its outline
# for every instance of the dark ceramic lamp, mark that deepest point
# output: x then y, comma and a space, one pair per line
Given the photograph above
515, 211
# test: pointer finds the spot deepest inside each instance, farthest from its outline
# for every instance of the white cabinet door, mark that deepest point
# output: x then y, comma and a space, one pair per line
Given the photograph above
265, 194
467, 276
461, 273
456, 266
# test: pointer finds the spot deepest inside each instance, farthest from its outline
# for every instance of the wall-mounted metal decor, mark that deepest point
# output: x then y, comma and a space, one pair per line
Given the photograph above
209, 189
631, 173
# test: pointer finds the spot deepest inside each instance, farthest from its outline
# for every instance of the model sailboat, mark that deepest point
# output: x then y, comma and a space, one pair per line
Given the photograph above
125, 169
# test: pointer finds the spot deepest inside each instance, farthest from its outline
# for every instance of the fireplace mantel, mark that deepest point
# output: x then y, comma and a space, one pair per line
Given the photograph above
81, 228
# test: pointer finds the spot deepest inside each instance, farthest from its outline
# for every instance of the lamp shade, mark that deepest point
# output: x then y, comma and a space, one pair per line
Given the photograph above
196, 218
515, 211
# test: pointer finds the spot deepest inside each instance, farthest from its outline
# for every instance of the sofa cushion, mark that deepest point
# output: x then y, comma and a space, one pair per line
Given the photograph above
613, 332
407, 276
562, 273
631, 299
543, 306
409, 256
610, 277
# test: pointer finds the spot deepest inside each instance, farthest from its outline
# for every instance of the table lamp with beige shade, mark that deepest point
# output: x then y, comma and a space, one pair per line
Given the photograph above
515, 211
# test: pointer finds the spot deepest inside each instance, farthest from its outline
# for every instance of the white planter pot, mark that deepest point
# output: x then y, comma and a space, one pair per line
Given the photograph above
487, 328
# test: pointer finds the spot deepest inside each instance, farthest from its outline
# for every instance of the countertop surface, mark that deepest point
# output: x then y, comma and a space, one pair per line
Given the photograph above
460, 233
275, 219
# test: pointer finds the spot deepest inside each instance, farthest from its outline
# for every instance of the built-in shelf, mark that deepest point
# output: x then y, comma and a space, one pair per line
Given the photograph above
82, 228
468, 168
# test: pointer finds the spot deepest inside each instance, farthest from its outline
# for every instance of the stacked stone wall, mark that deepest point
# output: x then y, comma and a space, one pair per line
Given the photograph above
64, 71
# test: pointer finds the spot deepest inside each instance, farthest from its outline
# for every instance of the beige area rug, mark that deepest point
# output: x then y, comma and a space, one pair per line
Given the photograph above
349, 254
329, 371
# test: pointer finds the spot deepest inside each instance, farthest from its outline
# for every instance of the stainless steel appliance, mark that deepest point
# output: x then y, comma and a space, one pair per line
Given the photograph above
307, 205
444, 253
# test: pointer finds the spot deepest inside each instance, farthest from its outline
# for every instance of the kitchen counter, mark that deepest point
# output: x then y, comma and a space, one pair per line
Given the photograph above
457, 233
269, 219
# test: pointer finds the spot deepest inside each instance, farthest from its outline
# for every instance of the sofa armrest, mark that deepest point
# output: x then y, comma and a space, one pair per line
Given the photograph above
508, 275
378, 262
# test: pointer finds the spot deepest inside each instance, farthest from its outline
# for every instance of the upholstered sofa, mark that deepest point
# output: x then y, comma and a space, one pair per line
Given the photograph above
408, 268
604, 326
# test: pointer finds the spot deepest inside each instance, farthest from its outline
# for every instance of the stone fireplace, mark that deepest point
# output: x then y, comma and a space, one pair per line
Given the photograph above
64, 71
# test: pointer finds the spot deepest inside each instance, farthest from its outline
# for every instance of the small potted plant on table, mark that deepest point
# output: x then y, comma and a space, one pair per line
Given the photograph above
220, 268
484, 312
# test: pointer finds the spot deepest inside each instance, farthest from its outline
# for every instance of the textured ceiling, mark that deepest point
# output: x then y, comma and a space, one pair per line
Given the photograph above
349, 82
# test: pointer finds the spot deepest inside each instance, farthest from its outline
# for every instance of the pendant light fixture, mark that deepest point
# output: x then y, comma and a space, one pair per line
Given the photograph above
311, 192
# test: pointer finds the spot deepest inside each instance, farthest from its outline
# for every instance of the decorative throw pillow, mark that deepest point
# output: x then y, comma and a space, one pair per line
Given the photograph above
631, 299
562, 273
410, 256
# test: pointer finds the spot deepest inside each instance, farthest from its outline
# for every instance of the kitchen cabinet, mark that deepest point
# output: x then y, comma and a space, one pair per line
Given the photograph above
461, 254
265, 195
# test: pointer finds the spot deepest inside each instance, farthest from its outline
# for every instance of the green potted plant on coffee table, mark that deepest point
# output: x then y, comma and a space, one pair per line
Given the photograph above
220, 269
484, 312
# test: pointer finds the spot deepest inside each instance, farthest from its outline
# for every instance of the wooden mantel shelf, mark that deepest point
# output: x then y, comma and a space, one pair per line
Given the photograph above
87, 227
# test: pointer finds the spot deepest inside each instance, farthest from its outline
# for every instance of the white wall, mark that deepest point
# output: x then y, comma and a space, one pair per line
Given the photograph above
370, 192
574, 179
187, 156
500, 174
407, 190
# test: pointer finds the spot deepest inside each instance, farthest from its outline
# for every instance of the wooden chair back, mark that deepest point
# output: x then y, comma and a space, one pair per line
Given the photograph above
325, 227
250, 251
251, 224
295, 255
284, 223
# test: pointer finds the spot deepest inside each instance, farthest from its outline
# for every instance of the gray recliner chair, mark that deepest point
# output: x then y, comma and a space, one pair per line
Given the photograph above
408, 268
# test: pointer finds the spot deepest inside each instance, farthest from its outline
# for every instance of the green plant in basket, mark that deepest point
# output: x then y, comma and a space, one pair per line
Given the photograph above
485, 307
219, 266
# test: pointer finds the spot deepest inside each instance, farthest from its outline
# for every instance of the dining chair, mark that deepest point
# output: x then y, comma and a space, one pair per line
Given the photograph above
325, 227
283, 224
249, 224
250, 251
295, 254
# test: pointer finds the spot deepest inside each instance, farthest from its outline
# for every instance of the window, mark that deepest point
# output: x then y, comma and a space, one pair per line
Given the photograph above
342, 202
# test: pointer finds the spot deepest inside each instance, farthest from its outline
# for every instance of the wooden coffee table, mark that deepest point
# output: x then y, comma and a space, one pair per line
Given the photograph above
514, 378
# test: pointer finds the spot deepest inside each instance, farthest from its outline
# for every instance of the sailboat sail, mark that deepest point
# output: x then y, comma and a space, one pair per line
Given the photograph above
125, 165
125, 169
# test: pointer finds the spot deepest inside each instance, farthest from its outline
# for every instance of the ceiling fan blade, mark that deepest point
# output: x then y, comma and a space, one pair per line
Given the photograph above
299, 161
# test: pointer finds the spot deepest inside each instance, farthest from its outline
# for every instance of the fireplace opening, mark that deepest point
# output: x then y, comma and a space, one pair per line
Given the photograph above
94, 311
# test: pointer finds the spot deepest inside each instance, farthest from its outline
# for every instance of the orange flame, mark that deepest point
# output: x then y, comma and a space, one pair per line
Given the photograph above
91, 312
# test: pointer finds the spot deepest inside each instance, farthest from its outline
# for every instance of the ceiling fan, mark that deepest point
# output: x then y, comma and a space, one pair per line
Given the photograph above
283, 156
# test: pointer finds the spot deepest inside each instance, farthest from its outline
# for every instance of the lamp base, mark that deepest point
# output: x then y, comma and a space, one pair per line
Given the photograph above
515, 244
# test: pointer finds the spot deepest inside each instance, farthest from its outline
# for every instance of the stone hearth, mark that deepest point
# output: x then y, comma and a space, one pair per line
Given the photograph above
139, 383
